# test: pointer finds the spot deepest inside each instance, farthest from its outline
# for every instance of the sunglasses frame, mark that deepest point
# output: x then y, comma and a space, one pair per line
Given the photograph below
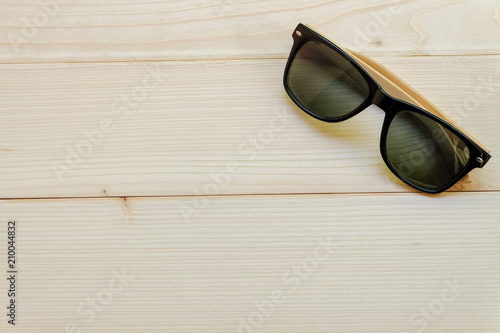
392, 95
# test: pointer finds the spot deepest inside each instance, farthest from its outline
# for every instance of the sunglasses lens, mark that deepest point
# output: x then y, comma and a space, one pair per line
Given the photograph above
324, 82
425, 153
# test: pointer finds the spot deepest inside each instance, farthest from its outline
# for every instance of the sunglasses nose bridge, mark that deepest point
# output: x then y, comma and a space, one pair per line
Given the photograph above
383, 100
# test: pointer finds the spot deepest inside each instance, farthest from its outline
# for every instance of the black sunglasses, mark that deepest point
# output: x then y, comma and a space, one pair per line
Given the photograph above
420, 144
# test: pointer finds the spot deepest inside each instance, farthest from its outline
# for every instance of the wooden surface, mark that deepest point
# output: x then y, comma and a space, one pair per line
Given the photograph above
162, 181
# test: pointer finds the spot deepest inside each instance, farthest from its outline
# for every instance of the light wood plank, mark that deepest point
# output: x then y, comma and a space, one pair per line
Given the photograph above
214, 123
198, 119
110, 30
391, 256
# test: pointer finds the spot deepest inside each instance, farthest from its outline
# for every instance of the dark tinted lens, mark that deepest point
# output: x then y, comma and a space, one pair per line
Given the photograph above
424, 152
324, 82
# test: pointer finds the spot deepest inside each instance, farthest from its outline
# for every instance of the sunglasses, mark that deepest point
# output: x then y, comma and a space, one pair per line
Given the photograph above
421, 145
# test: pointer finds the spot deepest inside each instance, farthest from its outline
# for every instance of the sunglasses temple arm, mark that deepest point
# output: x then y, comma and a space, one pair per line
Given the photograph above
396, 87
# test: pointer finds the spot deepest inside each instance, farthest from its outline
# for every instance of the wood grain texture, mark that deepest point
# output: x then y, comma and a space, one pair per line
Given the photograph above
389, 257
195, 118
162, 181
110, 30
